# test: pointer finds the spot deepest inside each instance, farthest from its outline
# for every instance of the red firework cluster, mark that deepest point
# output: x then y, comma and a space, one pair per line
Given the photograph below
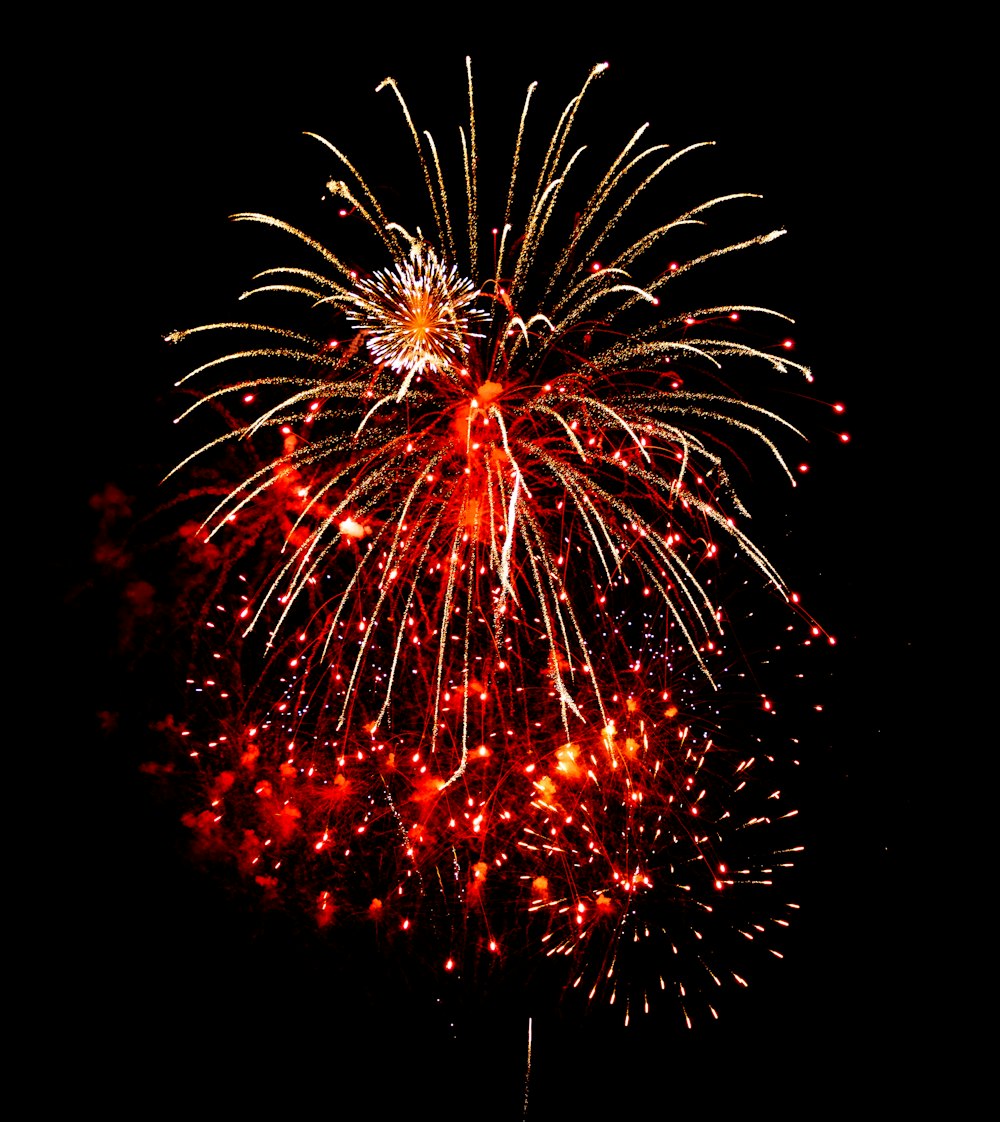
460, 642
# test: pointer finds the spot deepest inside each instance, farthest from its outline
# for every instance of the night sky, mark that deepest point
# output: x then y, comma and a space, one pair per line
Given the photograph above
198, 999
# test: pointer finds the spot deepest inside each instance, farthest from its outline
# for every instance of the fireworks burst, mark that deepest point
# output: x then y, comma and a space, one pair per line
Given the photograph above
416, 317
501, 507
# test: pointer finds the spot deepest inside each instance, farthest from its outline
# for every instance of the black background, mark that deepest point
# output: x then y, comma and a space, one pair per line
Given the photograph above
168, 987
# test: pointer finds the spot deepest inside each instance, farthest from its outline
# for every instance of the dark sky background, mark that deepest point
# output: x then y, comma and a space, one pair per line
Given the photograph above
186, 127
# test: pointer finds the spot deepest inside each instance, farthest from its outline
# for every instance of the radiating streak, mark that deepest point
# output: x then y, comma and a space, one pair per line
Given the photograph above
471, 176
272, 352
267, 220
391, 83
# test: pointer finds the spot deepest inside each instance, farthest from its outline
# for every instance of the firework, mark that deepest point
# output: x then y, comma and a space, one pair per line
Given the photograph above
415, 317
502, 473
